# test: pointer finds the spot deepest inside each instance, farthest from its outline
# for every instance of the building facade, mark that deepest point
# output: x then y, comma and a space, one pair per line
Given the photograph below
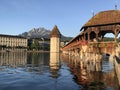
10, 41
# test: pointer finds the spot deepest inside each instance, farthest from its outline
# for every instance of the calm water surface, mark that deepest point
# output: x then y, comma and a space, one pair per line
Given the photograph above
31, 71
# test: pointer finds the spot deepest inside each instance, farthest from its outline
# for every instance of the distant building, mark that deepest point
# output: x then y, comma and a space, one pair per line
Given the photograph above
10, 41
63, 43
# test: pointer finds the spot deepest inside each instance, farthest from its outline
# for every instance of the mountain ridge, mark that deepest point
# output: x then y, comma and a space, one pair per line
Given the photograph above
41, 32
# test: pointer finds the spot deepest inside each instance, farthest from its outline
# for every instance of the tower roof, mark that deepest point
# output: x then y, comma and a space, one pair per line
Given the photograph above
104, 18
55, 32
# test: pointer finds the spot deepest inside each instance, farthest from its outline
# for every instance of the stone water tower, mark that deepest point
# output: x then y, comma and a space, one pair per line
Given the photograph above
55, 48
55, 40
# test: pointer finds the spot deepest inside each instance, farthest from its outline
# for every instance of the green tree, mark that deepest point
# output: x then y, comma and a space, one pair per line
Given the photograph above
34, 45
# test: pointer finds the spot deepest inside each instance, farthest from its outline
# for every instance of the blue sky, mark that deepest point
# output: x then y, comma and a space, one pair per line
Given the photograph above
18, 16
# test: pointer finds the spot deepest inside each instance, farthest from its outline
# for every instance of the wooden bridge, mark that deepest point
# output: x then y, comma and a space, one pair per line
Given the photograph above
90, 47
91, 37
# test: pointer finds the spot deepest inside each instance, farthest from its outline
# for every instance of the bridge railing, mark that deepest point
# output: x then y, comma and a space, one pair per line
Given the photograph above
72, 45
90, 44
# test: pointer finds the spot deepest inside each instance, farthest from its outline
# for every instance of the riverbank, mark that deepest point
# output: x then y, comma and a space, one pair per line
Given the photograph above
24, 50
40, 51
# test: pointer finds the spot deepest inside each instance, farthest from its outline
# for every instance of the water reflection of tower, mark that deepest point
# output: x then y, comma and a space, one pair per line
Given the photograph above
54, 51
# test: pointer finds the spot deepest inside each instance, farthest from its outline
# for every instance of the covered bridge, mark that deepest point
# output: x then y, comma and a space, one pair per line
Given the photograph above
93, 32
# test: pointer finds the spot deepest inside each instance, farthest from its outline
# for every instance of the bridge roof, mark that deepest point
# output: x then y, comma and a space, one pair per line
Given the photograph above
104, 18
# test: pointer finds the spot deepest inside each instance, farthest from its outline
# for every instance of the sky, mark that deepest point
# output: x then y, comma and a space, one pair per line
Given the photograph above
18, 16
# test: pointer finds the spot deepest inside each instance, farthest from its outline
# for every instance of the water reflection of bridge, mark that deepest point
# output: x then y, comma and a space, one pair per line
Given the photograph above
91, 75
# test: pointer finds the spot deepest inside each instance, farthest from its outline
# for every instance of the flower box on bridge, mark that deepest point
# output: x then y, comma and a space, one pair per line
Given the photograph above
102, 44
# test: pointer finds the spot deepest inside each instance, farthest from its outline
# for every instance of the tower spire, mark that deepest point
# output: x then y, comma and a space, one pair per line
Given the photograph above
93, 13
115, 4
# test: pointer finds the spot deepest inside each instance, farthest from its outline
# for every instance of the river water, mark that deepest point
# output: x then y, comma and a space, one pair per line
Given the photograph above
31, 71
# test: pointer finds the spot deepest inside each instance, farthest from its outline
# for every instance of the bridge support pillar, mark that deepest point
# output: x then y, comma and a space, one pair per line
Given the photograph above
96, 32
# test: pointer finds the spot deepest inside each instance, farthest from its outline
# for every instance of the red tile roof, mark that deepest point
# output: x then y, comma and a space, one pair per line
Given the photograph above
104, 18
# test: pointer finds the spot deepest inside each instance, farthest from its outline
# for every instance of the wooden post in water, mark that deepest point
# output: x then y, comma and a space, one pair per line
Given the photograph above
55, 47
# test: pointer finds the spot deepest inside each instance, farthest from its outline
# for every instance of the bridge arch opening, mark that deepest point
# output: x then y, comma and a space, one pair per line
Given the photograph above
107, 54
109, 37
118, 37
86, 36
92, 35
